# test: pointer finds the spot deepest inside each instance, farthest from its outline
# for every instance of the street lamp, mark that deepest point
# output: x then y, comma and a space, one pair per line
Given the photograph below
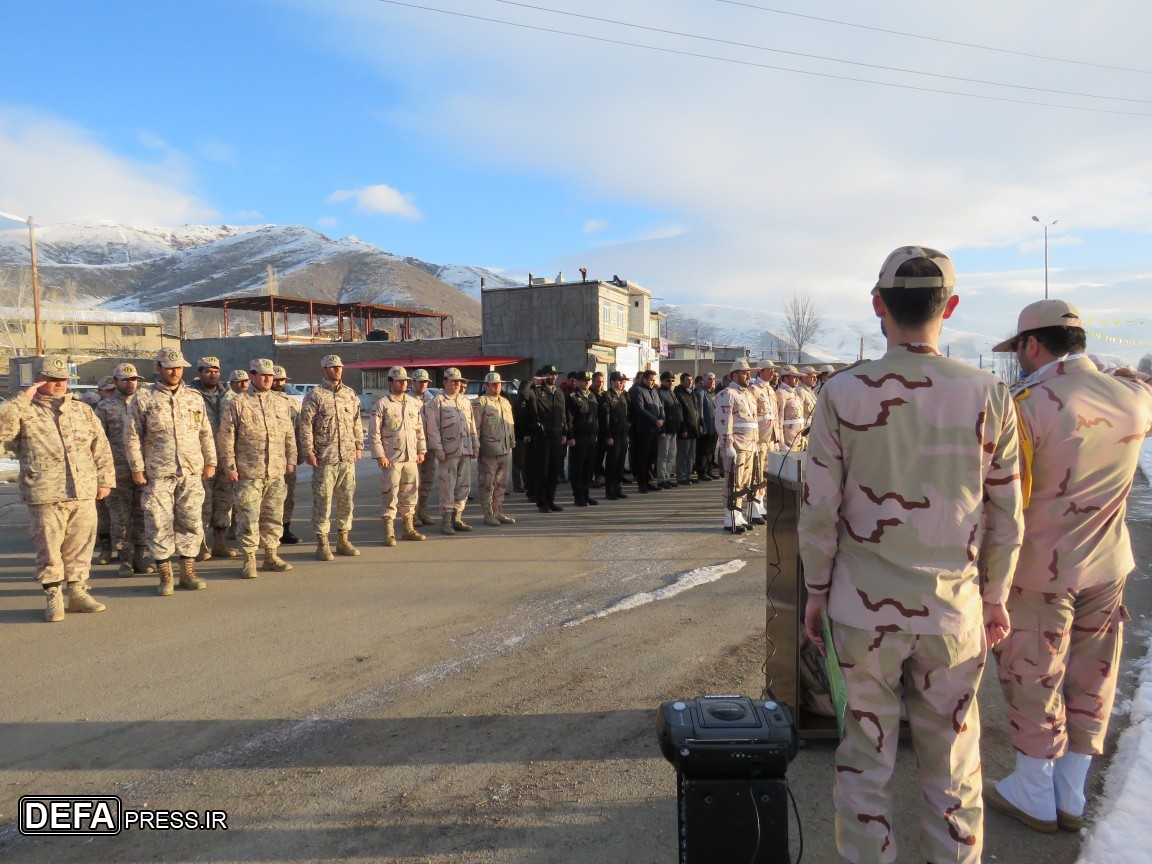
35, 278
1046, 225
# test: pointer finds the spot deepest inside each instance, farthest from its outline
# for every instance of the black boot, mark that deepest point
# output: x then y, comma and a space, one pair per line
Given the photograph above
288, 537
620, 492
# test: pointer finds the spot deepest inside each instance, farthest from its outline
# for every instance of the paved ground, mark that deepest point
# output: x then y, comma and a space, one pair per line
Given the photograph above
424, 703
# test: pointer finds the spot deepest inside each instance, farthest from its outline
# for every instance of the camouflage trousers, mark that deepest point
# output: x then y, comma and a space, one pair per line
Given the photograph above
455, 480
173, 516
217, 509
126, 514
103, 518
1058, 668
739, 477
64, 535
937, 677
399, 485
333, 484
428, 475
259, 512
289, 496
492, 477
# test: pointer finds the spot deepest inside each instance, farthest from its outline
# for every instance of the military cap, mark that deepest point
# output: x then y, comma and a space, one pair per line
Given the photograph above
548, 369
583, 375
398, 373
617, 376
767, 364
493, 378
421, 375
452, 374
828, 367
667, 376
740, 365
125, 371
170, 358
807, 370
943, 277
279, 372
331, 360
1041, 314
789, 370
107, 383
54, 367
238, 375
208, 363
262, 366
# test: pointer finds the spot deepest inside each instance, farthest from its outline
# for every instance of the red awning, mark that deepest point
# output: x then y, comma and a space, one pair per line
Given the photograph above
476, 360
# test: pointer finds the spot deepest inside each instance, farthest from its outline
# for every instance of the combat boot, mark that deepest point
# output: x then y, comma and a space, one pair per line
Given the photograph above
344, 545
220, 547
490, 514
410, 532
249, 571
323, 550
104, 556
125, 563
446, 526
389, 533
503, 518
288, 537
272, 561
140, 563
54, 593
458, 521
422, 510
165, 586
205, 553
188, 580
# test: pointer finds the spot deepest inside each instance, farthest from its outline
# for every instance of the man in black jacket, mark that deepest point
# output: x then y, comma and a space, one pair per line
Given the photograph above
546, 432
614, 411
647, 426
584, 420
666, 444
690, 428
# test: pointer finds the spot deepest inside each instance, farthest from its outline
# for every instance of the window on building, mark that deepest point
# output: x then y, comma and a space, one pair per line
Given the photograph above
75, 329
620, 317
132, 330
605, 312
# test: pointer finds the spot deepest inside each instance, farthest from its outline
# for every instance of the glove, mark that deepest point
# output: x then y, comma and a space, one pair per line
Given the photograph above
730, 452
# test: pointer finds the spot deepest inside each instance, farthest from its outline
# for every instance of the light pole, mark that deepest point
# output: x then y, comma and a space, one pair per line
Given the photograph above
1046, 225
35, 278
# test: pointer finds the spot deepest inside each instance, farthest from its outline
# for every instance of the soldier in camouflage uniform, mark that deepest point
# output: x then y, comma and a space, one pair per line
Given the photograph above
790, 409
169, 444
1081, 434
909, 534
257, 446
217, 511
396, 440
451, 433
768, 436
331, 438
419, 388
105, 389
492, 414
737, 425
279, 382
65, 466
126, 502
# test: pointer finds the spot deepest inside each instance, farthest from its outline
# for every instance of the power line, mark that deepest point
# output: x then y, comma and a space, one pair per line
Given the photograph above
734, 61
935, 38
821, 57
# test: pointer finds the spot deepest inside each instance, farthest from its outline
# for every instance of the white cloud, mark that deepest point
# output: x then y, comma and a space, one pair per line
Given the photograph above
594, 226
58, 171
249, 214
379, 199
327, 221
1037, 245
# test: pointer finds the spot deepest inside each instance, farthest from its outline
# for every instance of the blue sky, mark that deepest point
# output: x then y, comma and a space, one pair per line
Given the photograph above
460, 141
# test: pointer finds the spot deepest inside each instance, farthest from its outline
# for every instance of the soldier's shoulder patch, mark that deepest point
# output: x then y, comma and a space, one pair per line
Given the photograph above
1022, 394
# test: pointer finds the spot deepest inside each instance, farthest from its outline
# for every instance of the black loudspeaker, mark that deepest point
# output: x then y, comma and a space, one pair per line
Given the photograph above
731, 755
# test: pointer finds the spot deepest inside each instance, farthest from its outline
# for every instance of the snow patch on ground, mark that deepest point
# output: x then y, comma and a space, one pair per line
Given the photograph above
683, 582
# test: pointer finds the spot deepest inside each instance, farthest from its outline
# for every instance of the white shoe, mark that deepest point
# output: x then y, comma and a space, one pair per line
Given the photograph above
1028, 794
1070, 774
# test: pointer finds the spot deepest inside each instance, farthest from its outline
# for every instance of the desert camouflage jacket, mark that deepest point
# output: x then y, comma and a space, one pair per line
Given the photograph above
63, 451
329, 426
396, 428
494, 425
114, 415
790, 405
911, 479
256, 437
449, 427
294, 414
1082, 432
168, 433
766, 416
213, 402
736, 420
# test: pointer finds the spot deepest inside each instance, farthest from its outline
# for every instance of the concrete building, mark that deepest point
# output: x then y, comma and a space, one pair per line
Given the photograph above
90, 332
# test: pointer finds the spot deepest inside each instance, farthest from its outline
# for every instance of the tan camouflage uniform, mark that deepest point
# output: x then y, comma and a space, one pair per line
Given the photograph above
169, 438
738, 426
911, 476
427, 469
396, 433
329, 427
492, 417
790, 406
64, 459
125, 502
449, 428
290, 478
258, 441
767, 437
217, 510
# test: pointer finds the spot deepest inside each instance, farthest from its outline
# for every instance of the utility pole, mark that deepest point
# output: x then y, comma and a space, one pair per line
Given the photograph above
696, 355
861, 357
35, 289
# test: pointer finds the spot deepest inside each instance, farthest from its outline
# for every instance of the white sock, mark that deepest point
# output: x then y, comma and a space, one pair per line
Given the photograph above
1029, 788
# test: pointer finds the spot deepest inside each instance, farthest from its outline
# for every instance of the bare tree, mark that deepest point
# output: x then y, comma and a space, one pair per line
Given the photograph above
802, 321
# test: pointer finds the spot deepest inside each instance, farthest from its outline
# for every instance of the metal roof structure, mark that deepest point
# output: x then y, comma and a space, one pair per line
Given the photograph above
459, 360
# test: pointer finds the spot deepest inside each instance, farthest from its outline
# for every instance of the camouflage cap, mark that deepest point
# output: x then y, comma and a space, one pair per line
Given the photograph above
238, 375
452, 374
493, 378
740, 365
767, 364
1041, 314
107, 383
398, 373
828, 367
790, 370
807, 370
170, 358
208, 363
125, 371
54, 367
279, 373
331, 360
944, 275
421, 375
262, 366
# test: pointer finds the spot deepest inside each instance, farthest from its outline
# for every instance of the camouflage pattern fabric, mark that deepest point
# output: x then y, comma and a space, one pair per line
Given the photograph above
739, 429
455, 481
399, 484
396, 432
168, 434
329, 425
792, 421
257, 438
103, 518
217, 510
333, 486
173, 520
449, 426
64, 535
492, 478
213, 401
492, 417
114, 415
125, 507
259, 511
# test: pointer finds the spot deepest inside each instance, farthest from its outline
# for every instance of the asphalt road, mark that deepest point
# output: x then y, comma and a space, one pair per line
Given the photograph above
443, 701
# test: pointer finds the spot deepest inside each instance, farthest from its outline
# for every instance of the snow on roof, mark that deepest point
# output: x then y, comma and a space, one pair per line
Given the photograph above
71, 314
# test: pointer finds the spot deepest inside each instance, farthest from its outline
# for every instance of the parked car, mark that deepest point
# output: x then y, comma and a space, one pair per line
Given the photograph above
474, 389
367, 400
300, 390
